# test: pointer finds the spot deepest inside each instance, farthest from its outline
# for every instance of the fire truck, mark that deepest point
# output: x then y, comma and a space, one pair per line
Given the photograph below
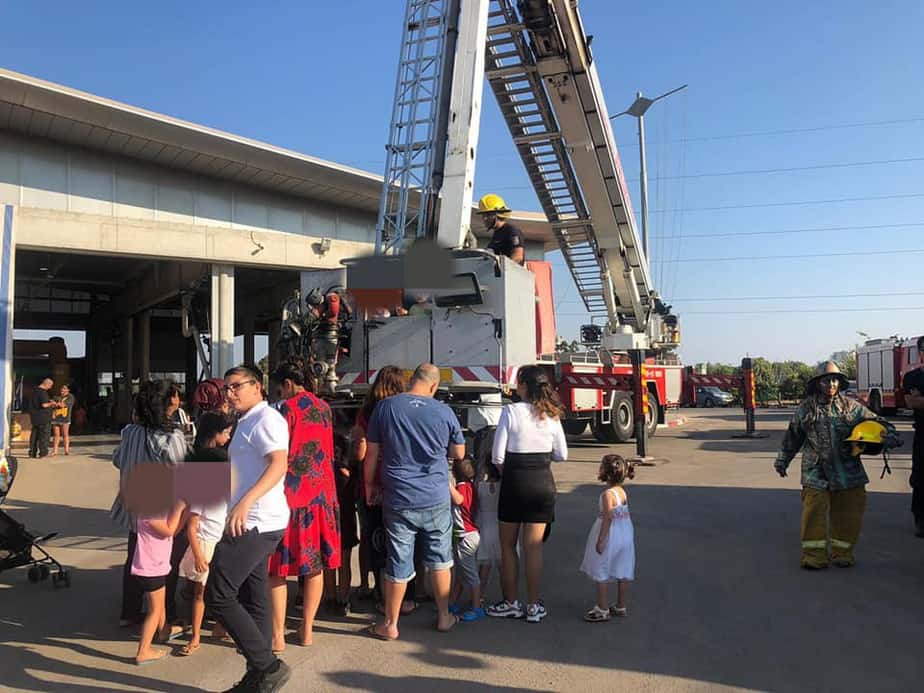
881, 365
490, 315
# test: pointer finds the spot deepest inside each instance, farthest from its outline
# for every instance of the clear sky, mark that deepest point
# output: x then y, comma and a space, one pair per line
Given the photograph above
318, 78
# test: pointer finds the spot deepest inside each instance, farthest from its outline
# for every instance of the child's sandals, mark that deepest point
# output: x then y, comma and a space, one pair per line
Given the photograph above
597, 615
618, 610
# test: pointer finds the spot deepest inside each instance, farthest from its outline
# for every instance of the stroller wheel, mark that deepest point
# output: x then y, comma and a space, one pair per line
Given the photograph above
35, 574
46, 571
62, 578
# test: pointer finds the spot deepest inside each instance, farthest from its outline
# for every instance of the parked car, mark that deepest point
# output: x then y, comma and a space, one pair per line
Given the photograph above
712, 397
851, 390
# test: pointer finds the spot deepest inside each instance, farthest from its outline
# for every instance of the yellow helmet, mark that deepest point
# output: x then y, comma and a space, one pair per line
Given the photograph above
868, 432
493, 204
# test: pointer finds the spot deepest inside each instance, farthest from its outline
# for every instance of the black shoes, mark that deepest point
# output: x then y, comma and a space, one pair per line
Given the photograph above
268, 681
919, 528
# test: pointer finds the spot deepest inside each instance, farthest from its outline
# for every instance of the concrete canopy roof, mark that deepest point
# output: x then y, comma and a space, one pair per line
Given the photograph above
43, 109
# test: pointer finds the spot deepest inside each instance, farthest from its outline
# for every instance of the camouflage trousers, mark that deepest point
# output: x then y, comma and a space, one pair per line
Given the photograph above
841, 512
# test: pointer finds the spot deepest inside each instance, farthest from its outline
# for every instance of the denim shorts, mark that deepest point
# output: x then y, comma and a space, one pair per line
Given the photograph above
429, 528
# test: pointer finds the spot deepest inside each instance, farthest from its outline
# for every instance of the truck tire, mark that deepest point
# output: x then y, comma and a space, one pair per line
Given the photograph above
574, 427
654, 413
621, 426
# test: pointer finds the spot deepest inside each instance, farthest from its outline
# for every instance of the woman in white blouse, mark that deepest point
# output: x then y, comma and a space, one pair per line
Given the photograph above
529, 437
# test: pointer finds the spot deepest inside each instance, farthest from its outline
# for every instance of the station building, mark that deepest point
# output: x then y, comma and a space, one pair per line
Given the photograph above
158, 239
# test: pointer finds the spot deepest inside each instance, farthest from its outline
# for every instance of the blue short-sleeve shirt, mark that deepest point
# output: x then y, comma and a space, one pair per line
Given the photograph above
414, 433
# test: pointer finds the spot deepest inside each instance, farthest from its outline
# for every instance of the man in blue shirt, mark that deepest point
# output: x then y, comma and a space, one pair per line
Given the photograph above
415, 435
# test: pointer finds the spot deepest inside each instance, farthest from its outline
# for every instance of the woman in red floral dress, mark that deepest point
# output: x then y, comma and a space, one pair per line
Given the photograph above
311, 543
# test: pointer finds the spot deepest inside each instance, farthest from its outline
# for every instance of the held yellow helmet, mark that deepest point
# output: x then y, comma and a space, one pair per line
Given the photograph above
868, 432
493, 204
873, 438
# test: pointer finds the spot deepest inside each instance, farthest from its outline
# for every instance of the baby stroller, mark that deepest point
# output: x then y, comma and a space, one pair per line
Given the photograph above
17, 546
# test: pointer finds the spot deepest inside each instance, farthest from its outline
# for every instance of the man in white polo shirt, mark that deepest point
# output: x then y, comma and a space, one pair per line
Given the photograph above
258, 514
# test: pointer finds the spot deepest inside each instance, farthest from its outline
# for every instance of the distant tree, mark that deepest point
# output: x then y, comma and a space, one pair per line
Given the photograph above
263, 364
566, 347
847, 362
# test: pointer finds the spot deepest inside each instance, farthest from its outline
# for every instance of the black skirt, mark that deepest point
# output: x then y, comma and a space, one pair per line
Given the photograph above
527, 492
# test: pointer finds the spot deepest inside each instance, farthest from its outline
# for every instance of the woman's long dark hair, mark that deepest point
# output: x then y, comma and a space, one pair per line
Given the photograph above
539, 392
151, 404
389, 381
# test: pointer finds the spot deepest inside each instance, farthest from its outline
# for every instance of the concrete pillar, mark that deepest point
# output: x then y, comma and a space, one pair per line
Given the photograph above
222, 319
7, 277
144, 339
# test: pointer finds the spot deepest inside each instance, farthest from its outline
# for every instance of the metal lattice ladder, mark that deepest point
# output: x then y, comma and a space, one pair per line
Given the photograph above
415, 145
512, 75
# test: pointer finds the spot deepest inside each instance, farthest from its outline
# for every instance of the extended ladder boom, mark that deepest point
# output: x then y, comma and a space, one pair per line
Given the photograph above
550, 96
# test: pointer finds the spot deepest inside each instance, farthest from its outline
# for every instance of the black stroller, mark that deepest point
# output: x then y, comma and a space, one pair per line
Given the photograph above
17, 546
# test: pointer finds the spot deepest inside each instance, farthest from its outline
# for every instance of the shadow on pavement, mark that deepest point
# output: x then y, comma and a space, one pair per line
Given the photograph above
368, 681
719, 598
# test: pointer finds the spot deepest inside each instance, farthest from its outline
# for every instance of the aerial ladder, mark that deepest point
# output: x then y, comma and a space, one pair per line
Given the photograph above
538, 63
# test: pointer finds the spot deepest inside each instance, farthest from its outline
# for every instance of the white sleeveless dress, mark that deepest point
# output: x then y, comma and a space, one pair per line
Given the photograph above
617, 562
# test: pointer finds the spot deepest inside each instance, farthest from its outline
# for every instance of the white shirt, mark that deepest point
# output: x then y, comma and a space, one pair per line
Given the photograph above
211, 521
259, 432
520, 430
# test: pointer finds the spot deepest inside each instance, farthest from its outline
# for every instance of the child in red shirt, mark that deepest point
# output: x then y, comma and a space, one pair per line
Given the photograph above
466, 539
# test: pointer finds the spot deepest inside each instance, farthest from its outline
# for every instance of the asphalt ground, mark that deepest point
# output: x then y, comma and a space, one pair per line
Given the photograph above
719, 602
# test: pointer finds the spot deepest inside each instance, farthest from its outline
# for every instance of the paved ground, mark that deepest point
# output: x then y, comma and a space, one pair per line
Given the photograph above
719, 602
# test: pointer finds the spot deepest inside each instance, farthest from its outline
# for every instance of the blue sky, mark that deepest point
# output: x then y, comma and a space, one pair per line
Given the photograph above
318, 78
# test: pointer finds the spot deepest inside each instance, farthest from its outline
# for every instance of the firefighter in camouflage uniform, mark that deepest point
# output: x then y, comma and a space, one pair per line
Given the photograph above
833, 479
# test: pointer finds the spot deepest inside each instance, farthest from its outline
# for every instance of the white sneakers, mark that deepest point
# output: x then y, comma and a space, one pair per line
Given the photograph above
503, 609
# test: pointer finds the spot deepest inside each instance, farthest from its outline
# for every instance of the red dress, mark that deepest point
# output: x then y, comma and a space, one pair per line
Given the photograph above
312, 539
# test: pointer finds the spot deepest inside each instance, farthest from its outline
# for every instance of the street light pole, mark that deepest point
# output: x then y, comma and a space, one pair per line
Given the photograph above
643, 172
638, 109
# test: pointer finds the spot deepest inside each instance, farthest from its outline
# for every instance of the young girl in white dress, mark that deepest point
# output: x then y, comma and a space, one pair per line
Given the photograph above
610, 552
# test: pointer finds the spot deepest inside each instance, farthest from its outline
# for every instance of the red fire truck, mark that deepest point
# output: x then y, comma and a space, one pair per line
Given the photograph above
881, 365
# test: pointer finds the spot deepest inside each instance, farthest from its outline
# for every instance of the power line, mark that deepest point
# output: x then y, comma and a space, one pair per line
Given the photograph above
710, 299
784, 310
801, 310
793, 257
792, 203
791, 169
816, 229
797, 298
791, 131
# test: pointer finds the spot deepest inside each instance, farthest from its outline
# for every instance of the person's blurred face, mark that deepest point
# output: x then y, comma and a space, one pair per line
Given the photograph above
243, 391
47, 383
489, 220
65, 391
828, 386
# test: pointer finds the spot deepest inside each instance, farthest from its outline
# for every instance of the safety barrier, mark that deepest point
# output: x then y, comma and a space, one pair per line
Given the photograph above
743, 382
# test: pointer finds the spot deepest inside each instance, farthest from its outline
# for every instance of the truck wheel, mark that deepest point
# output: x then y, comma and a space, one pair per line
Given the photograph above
574, 427
875, 403
654, 413
621, 427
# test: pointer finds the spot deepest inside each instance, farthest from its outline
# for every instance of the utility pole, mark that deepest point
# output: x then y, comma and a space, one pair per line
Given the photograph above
637, 110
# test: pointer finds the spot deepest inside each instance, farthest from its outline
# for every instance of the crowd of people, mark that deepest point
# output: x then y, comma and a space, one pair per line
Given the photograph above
400, 486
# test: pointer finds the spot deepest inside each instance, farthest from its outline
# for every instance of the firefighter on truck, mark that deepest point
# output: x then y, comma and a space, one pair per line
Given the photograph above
507, 239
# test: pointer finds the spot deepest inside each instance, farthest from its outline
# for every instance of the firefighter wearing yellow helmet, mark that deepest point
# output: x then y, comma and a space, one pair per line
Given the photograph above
506, 238
833, 478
